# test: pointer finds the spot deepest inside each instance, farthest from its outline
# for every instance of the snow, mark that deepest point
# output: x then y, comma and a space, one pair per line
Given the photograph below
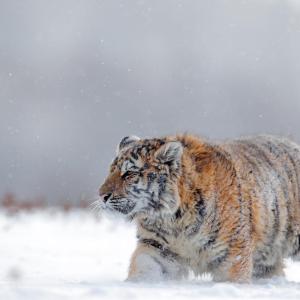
49, 255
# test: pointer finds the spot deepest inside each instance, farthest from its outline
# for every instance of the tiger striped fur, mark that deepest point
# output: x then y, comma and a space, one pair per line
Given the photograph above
230, 209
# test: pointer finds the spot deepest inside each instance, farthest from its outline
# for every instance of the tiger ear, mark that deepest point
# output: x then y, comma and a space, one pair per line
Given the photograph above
170, 153
127, 141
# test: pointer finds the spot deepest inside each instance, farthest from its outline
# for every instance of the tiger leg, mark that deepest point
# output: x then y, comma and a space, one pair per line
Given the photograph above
147, 264
237, 267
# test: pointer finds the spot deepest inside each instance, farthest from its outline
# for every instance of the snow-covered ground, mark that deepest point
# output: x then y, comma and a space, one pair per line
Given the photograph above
75, 256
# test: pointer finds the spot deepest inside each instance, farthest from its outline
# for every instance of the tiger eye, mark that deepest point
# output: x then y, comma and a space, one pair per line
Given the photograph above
129, 175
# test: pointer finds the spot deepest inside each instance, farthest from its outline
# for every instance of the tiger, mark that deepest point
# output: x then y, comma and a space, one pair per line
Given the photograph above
229, 208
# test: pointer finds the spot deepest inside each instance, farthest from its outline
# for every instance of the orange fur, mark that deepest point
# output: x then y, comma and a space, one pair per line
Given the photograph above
235, 210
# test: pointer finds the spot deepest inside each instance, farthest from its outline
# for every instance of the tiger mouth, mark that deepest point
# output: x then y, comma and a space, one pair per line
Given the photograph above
121, 205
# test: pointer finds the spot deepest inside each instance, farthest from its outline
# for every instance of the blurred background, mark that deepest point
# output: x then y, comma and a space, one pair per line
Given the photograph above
77, 76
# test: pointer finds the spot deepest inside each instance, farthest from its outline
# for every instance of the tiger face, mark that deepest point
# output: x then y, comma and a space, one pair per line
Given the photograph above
143, 177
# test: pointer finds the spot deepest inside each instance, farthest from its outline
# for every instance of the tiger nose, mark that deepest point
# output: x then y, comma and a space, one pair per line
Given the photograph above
105, 196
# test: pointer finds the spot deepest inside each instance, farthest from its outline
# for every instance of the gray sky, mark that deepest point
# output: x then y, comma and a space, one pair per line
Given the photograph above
77, 76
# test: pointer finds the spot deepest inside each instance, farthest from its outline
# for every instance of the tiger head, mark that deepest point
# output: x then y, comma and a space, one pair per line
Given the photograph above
143, 177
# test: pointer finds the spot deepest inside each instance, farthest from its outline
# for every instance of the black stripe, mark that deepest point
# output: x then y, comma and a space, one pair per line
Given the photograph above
193, 229
279, 151
152, 243
178, 214
136, 190
200, 210
155, 232
215, 228
150, 179
244, 210
211, 241
151, 202
200, 203
151, 176
297, 247
291, 171
164, 252
275, 211
259, 152
162, 180
257, 175
134, 155
218, 260
295, 167
125, 141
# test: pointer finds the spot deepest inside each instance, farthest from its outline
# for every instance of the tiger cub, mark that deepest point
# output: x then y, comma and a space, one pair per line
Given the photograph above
230, 209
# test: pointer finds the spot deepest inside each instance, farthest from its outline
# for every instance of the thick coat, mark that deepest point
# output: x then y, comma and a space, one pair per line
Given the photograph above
230, 209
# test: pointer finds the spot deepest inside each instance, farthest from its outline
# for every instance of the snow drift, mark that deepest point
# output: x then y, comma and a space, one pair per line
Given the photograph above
48, 255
